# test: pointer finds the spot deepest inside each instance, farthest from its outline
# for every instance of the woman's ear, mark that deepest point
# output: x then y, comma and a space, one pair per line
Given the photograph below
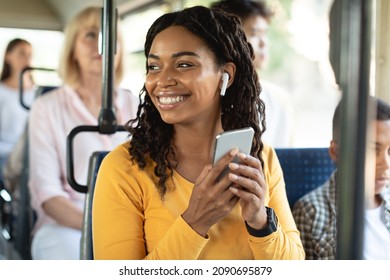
230, 69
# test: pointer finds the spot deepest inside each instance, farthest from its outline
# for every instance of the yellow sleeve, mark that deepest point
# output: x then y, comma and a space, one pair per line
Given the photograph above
285, 243
122, 194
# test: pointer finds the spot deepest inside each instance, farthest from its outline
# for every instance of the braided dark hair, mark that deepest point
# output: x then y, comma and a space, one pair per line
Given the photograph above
241, 105
245, 8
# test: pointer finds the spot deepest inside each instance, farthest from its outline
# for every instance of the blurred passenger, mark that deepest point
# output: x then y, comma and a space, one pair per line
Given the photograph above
12, 115
158, 195
256, 17
78, 102
315, 213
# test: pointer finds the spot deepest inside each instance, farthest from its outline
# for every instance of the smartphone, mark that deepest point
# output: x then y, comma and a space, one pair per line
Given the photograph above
238, 138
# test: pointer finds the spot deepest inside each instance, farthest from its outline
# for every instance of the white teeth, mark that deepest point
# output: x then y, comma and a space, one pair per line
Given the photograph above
171, 100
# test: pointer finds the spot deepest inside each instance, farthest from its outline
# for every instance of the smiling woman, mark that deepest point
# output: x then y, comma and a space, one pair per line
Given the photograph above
159, 191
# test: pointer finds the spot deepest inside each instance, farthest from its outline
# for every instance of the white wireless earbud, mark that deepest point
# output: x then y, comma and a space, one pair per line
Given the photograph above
225, 80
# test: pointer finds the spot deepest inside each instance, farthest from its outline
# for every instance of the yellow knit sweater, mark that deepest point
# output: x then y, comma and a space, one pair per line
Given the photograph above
130, 221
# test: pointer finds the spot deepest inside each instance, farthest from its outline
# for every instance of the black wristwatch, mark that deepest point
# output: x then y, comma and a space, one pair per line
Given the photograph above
272, 222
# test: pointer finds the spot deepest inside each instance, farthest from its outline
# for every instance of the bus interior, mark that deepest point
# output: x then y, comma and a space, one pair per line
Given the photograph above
299, 62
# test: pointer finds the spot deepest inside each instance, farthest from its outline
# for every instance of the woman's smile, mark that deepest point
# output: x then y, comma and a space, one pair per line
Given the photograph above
171, 101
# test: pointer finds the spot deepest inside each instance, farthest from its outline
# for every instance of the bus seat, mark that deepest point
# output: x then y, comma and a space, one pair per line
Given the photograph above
304, 169
44, 89
86, 248
40, 90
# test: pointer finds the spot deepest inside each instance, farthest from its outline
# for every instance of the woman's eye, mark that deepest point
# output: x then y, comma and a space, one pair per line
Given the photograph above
184, 65
91, 34
153, 67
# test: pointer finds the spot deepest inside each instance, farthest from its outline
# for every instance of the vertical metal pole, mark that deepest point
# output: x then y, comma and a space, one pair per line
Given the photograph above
354, 81
107, 118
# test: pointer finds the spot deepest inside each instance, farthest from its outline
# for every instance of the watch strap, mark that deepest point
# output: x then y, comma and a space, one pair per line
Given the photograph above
272, 225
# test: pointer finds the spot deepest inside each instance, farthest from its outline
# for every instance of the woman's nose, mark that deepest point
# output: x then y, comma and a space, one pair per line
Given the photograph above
263, 42
166, 78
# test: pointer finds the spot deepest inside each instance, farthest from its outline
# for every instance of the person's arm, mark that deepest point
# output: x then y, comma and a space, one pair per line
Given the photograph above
124, 196
285, 243
303, 214
46, 181
56, 207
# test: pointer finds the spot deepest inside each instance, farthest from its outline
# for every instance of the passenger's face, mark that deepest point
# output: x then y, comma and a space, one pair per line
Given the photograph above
19, 57
86, 50
256, 29
382, 151
182, 80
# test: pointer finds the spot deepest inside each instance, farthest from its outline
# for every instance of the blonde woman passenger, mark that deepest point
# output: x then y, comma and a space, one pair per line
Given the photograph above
59, 208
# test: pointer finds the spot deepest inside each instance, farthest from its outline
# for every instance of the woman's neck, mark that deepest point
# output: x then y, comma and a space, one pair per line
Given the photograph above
90, 82
90, 92
193, 148
13, 81
198, 137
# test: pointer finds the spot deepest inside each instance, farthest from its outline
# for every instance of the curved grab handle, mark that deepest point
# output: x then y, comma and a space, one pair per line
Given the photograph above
21, 82
69, 156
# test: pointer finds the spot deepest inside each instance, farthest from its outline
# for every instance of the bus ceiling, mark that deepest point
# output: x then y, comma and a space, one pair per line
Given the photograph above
53, 14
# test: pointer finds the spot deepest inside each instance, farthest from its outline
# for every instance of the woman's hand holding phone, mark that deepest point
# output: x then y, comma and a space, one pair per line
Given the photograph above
235, 176
250, 186
211, 199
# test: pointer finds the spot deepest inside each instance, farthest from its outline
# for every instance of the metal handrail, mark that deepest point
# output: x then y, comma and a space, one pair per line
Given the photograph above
21, 82
70, 158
